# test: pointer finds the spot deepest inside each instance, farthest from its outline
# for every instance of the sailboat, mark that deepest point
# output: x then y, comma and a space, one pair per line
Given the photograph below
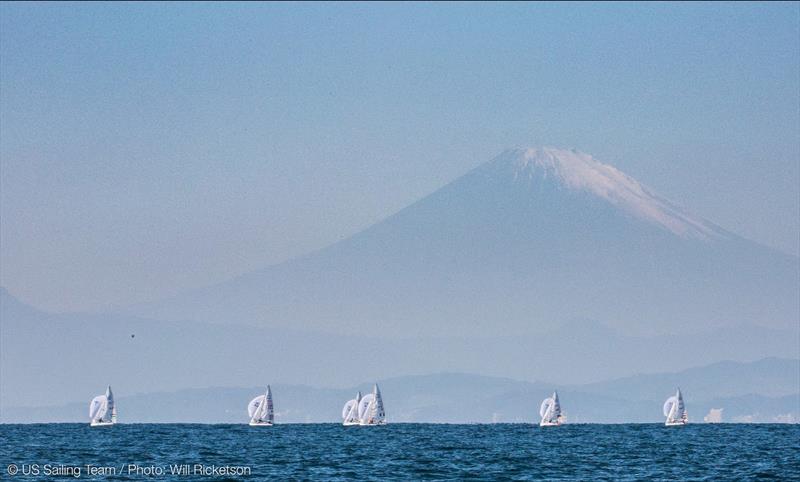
370, 409
261, 411
550, 411
350, 411
675, 410
103, 410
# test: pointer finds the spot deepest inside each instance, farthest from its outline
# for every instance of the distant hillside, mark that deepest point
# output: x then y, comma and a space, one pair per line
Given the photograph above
54, 359
770, 377
462, 398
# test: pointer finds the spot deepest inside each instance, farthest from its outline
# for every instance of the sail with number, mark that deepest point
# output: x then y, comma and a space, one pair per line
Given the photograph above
112, 407
675, 410
380, 413
550, 411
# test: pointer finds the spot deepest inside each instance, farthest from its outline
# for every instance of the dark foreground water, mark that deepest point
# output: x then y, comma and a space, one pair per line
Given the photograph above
400, 451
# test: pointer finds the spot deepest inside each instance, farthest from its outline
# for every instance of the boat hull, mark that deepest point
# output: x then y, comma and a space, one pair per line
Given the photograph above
261, 424
678, 423
101, 424
549, 424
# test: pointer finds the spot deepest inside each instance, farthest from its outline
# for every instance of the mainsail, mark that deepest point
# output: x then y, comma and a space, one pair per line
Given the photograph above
112, 407
270, 409
380, 413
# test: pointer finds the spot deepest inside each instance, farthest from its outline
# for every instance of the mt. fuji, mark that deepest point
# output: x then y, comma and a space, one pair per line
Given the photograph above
518, 245
577, 171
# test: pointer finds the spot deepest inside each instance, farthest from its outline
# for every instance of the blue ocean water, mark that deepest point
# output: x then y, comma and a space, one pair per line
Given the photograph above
400, 452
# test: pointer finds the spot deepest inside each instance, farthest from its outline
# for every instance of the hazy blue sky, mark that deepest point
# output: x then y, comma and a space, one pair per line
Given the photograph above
151, 148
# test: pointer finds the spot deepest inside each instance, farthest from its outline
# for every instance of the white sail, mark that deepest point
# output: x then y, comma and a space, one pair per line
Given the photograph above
350, 410
675, 410
379, 414
112, 407
260, 409
669, 407
347, 410
550, 411
254, 407
363, 406
103, 410
374, 413
556, 406
546, 408
98, 408
681, 406
269, 416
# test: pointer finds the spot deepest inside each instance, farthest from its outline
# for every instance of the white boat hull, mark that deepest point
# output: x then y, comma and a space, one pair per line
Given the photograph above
677, 423
365, 424
261, 424
101, 424
549, 424
350, 424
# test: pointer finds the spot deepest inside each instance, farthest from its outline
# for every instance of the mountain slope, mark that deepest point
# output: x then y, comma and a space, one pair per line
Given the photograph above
531, 237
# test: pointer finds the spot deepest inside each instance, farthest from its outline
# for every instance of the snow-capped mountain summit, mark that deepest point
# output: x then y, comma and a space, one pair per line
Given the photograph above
519, 244
579, 171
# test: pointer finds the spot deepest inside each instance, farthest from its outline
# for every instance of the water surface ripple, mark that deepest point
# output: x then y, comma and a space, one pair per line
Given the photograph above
413, 451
